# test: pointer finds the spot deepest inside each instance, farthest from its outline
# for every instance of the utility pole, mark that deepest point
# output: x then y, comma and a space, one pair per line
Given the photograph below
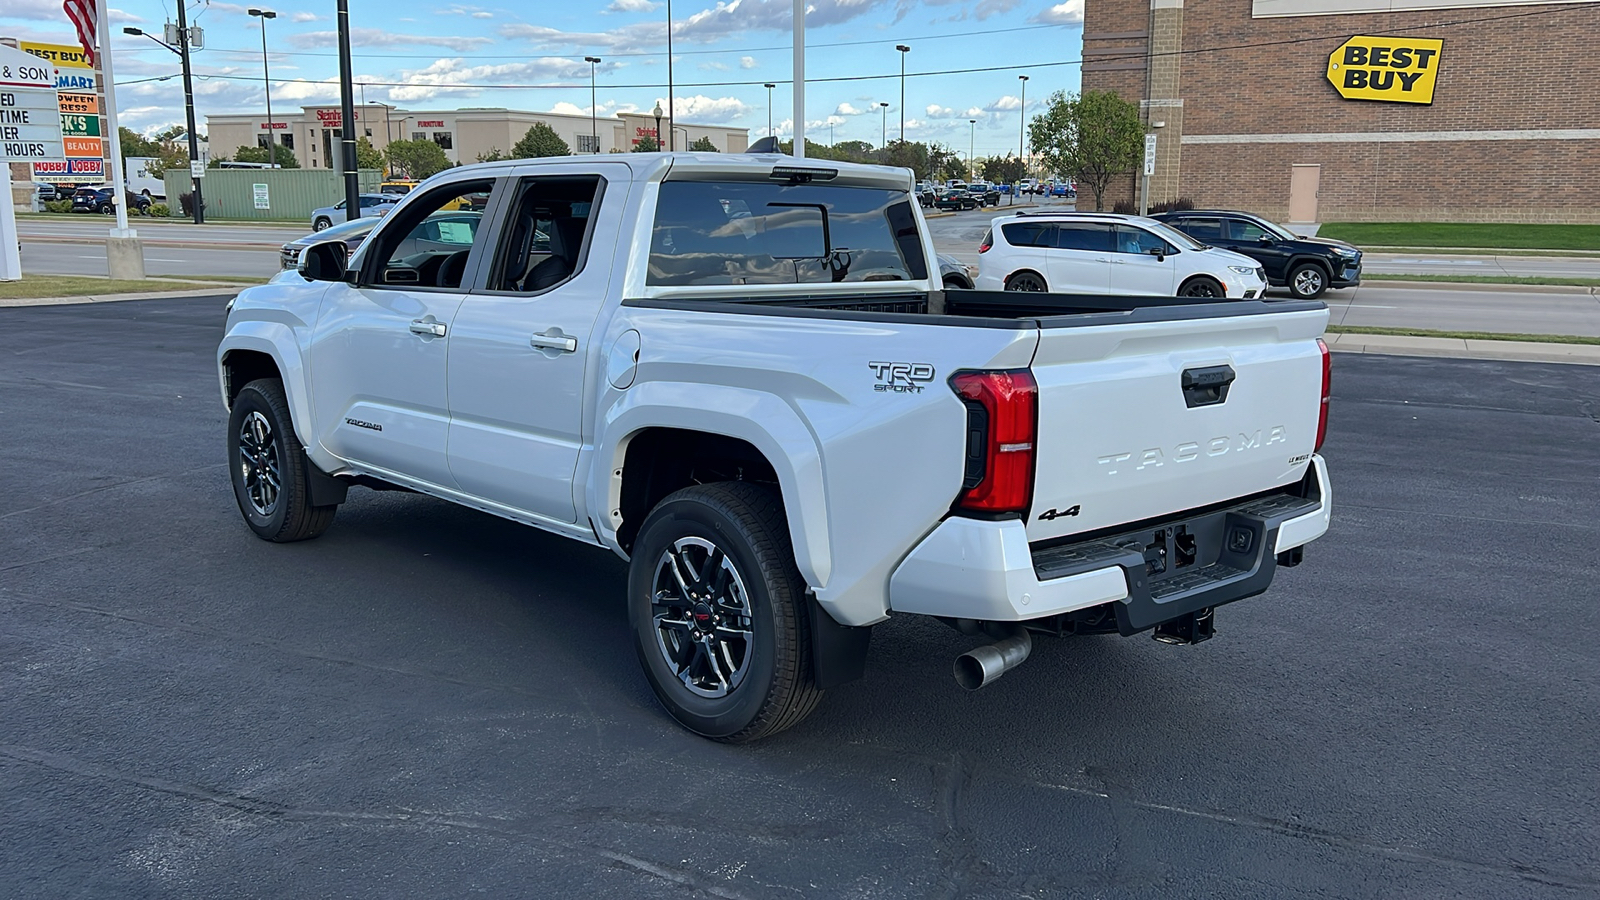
1022, 123
670, 116
972, 129
800, 79
188, 106
883, 125
903, 51
347, 117
769, 88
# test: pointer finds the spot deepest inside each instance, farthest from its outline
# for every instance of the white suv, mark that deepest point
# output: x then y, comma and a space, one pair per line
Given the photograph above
1095, 253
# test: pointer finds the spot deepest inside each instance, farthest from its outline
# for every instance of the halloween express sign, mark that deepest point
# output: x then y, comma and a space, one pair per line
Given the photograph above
1388, 69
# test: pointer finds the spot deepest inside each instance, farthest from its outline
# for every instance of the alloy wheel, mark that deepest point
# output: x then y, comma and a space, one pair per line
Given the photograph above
1026, 282
1308, 282
702, 615
1201, 288
259, 463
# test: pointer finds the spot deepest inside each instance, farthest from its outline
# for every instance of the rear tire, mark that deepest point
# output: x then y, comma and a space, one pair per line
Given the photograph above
719, 614
1202, 287
269, 469
1307, 281
1026, 281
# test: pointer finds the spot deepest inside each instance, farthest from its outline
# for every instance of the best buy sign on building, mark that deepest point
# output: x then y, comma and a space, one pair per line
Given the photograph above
1392, 69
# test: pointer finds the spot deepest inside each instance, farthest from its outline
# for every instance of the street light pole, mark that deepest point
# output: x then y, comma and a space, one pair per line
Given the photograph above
347, 115
972, 129
594, 123
197, 207
670, 116
903, 51
769, 88
883, 125
266, 83
659, 146
1022, 121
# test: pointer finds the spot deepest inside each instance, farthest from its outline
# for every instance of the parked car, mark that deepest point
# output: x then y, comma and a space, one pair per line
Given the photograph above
1063, 189
399, 188
446, 230
926, 196
1104, 253
867, 446
986, 194
352, 233
371, 205
955, 274
1307, 266
955, 200
98, 200
45, 191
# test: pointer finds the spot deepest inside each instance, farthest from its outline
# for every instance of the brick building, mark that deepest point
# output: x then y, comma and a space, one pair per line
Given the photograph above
1252, 97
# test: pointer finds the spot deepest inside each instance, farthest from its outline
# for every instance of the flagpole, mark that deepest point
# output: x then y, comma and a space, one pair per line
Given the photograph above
124, 252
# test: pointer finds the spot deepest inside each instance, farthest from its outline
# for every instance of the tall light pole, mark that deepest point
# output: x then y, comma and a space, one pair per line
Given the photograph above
1022, 121
594, 124
266, 82
769, 88
972, 129
670, 116
197, 208
883, 124
903, 51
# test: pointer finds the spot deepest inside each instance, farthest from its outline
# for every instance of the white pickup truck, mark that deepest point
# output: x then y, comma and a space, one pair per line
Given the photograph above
738, 372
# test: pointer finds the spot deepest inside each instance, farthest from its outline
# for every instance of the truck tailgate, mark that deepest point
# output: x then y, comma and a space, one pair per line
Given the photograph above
1139, 420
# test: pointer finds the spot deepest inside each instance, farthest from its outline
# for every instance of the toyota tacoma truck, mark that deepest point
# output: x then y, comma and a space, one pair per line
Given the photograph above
740, 374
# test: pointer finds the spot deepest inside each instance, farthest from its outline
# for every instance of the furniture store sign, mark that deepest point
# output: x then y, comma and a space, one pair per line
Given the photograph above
1387, 69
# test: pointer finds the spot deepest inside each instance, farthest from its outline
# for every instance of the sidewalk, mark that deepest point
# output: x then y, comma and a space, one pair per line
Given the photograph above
1457, 348
220, 289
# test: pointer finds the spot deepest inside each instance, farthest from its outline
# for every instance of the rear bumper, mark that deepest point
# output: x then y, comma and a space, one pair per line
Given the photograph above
976, 569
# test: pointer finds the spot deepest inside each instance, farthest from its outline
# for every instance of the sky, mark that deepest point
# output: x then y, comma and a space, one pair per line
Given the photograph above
429, 55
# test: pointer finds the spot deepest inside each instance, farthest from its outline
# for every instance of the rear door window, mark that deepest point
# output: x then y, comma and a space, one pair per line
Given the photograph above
1084, 236
766, 233
1202, 229
1029, 234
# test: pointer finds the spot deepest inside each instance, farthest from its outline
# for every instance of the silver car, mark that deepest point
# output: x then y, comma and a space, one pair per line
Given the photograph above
371, 205
446, 230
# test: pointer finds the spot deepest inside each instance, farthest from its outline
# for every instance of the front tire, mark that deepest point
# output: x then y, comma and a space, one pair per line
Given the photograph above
718, 613
321, 224
269, 469
1307, 281
1203, 288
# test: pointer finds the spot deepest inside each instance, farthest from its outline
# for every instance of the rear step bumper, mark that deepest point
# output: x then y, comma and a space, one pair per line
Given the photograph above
975, 569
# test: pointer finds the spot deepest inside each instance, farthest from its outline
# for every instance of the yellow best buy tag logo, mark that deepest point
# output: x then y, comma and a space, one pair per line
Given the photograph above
1392, 69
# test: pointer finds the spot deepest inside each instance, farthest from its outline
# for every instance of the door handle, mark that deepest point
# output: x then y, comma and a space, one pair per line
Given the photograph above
554, 341
428, 329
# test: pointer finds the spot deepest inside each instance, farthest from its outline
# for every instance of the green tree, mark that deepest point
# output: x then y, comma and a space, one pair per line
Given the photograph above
1002, 169
367, 156
704, 145
494, 155
541, 140
647, 144
908, 155
417, 159
135, 144
1091, 138
285, 157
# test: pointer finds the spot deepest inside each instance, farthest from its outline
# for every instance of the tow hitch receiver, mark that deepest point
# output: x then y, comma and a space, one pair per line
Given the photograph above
1200, 625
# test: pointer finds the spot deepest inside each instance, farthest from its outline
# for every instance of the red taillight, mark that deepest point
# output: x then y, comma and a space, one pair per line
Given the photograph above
1327, 389
988, 241
1002, 422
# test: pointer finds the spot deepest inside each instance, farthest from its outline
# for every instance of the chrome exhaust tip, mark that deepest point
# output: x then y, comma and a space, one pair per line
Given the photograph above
983, 665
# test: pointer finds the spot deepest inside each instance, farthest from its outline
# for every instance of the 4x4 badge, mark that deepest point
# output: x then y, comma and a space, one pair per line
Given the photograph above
1050, 514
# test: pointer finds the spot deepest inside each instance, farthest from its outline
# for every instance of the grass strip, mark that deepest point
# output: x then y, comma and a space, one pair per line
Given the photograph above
1487, 279
1466, 335
1465, 234
85, 286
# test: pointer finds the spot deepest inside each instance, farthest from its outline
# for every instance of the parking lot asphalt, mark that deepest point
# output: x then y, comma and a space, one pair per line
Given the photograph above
428, 701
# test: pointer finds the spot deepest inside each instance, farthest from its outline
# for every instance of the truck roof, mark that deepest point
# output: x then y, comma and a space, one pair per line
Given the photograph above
742, 166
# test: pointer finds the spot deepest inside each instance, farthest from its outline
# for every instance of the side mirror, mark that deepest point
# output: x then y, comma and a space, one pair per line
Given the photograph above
324, 261
1265, 239
1159, 253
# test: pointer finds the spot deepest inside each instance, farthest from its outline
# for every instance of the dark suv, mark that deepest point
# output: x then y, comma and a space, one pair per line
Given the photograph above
1306, 266
89, 199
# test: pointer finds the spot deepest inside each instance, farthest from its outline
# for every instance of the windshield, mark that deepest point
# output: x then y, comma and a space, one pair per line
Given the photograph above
1277, 231
1174, 236
346, 230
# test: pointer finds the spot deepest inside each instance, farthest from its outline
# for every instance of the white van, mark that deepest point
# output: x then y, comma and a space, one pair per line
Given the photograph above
1100, 253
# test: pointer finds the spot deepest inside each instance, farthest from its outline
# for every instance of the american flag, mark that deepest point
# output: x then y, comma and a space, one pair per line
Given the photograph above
84, 15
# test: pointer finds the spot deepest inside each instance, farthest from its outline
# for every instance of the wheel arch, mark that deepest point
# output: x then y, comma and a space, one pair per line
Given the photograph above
265, 350
1202, 276
1025, 271
1296, 261
649, 445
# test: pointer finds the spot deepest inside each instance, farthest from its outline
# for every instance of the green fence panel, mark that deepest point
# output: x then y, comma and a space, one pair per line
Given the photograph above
288, 193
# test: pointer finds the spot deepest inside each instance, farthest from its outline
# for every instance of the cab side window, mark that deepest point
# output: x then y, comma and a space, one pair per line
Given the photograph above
1241, 230
546, 238
1202, 230
1084, 236
428, 244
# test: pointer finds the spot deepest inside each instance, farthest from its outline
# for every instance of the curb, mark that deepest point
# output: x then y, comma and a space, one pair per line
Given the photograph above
1509, 288
218, 291
1482, 251
156, 242
1458, 348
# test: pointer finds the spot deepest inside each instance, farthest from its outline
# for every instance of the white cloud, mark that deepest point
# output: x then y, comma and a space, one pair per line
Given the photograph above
726, 18
987, 8
1007, 103
483, 15
306, 17
376, 37
747, 62
1069, 12
845, 109
714, 66
710, 110
632, 6
935, 111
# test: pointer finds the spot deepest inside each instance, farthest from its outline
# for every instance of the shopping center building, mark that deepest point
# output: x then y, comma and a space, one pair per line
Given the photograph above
1361, 110
312, 133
